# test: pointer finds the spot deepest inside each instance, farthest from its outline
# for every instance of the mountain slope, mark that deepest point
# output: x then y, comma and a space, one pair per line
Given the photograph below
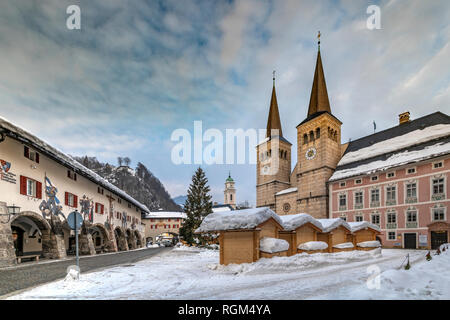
139, 183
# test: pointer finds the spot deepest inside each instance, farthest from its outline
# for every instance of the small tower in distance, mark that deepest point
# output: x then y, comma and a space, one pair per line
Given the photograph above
230, 192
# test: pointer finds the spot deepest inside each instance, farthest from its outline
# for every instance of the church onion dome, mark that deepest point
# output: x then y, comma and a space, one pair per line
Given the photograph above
229, 179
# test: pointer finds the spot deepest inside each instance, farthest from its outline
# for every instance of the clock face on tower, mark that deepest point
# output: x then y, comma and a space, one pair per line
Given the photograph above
310, 153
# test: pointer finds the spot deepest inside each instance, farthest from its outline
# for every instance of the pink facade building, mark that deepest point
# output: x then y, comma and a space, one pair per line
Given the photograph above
398, 179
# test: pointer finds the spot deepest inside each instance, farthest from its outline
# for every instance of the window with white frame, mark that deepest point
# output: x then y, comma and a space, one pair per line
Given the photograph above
343, 217
31, 188
358, 218
375, 218
342, 184
391, 235
438, 214
438, 165
411, 192
410, 170
358, 200
375, 197
411, 218
391, 220
374, 178
358, 181
70, 200
391, 174
342, 202
391, 195
437, 188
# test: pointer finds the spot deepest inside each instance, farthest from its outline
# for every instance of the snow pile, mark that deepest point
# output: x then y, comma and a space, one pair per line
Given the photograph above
166, 215
400, 142
73, 274
356, 226
288, 190
331, 224
237, 219
272, 245
369, 244
313, 245
395, 160
425, 280
293, 221
345, 245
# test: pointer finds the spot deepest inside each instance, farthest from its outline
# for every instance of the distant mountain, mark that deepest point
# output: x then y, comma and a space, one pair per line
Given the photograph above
180, 200
139, 183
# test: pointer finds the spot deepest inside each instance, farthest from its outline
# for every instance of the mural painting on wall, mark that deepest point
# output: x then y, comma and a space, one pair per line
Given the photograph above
87, 209
51, 206
5, 174
109, 221
124, 220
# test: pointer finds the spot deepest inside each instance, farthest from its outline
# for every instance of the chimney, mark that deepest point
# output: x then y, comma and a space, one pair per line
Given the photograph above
403, 117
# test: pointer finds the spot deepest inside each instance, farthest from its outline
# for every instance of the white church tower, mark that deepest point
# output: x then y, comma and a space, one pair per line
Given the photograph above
230, 192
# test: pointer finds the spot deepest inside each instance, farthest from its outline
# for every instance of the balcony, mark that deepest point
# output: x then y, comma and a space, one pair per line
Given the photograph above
412, 225
375, 204
411, 200
392, 225
391, 202
438, 196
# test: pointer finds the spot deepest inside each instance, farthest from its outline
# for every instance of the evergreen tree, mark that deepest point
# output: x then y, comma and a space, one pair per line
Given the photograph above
198, 205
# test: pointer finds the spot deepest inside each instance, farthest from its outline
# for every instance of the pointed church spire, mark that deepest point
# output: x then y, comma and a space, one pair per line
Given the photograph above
319, 96
273, 122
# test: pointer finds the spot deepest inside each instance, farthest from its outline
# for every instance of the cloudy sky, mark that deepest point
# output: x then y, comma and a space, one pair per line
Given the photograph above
138, 70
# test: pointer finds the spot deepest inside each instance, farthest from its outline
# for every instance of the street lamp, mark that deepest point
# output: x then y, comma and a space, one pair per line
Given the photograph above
12, 210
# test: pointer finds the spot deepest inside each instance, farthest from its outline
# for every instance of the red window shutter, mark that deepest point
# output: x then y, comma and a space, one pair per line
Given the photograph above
37, 157
26, 152
38, 190
103, 208
23, 185
66, 199
75, 201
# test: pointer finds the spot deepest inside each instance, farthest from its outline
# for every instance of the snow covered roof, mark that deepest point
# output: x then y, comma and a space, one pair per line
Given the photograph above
288, 190
26, 137
237, 219
369, 244
331, 224
356, 226
421, 139
294, 221
165, 215
345, 245
272, 245
222, 207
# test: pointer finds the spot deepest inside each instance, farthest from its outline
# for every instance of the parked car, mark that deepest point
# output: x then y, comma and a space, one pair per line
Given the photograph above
166, 243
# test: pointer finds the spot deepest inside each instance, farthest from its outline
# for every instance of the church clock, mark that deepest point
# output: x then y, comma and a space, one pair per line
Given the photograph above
310, 153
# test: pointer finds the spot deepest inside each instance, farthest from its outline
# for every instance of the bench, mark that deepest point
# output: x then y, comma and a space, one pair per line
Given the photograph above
31, 256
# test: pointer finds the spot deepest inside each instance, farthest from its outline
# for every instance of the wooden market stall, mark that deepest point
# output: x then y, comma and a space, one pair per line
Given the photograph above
362, 232
299, 228
334, 232
240, 232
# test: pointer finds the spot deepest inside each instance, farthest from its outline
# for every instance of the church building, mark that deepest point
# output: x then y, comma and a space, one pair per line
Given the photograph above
319, 150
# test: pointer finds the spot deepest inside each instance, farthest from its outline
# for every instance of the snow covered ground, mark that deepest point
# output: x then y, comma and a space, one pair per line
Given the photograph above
189, 273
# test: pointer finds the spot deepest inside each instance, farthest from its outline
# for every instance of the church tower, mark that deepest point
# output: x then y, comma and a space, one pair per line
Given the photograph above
230, 192
273, 166
318, 148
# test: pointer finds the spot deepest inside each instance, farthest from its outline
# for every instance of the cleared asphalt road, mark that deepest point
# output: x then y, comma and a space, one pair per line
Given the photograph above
26, 276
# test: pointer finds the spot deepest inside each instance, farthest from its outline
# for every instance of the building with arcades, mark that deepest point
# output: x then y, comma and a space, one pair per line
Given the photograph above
40, 186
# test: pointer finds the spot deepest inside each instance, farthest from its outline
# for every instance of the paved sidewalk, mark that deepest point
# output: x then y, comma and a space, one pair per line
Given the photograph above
25, 276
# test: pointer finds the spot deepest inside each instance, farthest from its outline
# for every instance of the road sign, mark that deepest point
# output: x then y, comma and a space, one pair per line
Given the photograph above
71, 220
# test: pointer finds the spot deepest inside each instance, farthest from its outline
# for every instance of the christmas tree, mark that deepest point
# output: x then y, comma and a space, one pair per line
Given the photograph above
438, 251
428, 256
197, 206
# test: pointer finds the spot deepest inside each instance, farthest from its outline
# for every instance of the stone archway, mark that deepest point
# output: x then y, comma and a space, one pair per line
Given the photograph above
121, 240
138, 238
41, 238
131, 241
102, 239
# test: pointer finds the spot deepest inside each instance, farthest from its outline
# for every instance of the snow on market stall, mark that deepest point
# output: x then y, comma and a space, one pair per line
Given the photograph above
334, 231
299, 228
241, 232
363, 231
